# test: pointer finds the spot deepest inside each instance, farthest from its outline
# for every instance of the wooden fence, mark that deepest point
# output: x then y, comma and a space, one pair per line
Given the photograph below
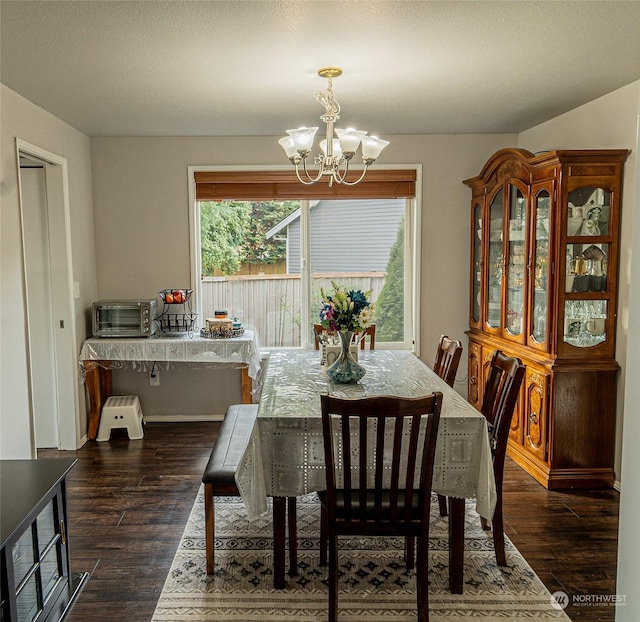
270, 303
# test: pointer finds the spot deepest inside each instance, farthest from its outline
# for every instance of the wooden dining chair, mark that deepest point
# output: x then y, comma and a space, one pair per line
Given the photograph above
501, 391
369, 334
447, 359
446, 366
386, 490
317, 331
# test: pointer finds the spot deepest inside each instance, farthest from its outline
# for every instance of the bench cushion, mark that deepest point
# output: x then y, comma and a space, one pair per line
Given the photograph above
231, 444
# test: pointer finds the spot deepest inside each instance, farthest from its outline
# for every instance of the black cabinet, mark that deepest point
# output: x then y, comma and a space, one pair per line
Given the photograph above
37, 583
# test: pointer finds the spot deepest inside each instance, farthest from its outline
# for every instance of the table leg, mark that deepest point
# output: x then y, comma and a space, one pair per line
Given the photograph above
106, 385
293, 536
279, 530
247, 385
98, 379
456, 544
92, 379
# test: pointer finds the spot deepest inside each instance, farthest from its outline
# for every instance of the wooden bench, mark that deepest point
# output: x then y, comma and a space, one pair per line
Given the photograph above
219, 477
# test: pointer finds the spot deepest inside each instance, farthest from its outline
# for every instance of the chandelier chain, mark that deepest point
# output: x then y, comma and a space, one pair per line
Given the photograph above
330, 103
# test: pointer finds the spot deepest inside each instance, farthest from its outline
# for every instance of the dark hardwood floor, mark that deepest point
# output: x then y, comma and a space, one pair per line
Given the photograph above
129, 502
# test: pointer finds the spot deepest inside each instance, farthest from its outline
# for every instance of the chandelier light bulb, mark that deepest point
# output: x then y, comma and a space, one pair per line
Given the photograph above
289, 146
333, 162
337, 149
350, 139
303, 138
372, 146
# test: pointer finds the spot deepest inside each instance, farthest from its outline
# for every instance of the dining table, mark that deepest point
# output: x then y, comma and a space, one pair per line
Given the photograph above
285, 455
100, 355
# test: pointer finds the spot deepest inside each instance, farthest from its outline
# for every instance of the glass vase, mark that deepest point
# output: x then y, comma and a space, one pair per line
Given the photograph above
345, 368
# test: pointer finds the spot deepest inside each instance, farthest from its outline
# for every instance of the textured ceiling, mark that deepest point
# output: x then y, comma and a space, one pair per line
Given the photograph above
181, 68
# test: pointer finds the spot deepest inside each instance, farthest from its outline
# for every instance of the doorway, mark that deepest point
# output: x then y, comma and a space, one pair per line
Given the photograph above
51, 348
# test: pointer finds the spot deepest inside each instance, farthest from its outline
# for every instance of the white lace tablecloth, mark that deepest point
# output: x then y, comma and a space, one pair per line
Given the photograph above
183, 348
285, 456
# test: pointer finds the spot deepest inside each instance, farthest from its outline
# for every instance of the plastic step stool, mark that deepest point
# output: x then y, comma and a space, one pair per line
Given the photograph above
121, 411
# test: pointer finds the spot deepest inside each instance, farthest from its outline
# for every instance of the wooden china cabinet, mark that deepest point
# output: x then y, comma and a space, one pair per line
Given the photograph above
544, 270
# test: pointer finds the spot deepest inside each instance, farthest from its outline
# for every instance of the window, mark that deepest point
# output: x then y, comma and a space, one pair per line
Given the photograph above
264, 260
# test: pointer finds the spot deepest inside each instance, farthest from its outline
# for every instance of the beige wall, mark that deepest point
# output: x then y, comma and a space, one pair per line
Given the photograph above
609, 122
142, 226
613, 121
21, 119
628, 541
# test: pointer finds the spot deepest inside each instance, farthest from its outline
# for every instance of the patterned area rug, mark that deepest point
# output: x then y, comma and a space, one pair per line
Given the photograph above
374, 584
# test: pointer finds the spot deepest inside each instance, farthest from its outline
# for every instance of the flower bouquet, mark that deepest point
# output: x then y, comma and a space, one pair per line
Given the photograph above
348, 313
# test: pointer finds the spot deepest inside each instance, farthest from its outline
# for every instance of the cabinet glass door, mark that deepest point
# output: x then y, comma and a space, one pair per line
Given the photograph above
28, 600
23, 556
585, 322
476, 257
589, 212
587, 266
586, 316
496, 261
541, 264
49, 549
38, 560
516, 262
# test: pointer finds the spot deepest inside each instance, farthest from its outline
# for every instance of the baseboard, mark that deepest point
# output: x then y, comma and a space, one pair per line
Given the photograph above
181, 418
561, 479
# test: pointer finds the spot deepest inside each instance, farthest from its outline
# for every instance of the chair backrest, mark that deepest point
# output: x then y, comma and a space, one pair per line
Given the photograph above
317, 331
381, 450
499, 401
368, 333
447, 359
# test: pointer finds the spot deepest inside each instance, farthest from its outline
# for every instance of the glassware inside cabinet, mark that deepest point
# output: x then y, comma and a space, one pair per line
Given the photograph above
477, 262
586, 268
496, 261
589, 211
585, 322
541, 267
516, 262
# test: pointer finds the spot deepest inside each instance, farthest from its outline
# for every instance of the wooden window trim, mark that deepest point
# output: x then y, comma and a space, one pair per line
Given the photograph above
280, 185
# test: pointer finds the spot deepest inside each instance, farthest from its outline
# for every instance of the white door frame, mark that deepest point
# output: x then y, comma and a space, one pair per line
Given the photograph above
64, 320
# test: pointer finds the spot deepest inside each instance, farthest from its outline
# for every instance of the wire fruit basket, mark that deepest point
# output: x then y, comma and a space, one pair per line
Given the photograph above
177, 296
170, 320
178, 322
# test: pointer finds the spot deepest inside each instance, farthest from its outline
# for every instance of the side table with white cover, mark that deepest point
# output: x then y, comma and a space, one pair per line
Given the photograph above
100, 355
285, 454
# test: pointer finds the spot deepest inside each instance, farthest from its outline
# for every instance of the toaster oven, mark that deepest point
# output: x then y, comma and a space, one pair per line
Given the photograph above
125, 318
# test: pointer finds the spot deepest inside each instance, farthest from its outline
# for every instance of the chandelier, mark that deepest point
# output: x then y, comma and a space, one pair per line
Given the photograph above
333, 162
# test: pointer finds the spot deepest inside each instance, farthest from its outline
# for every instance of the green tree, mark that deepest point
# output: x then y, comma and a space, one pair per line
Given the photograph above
222, 226
255, 247
234, 232
390, 303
